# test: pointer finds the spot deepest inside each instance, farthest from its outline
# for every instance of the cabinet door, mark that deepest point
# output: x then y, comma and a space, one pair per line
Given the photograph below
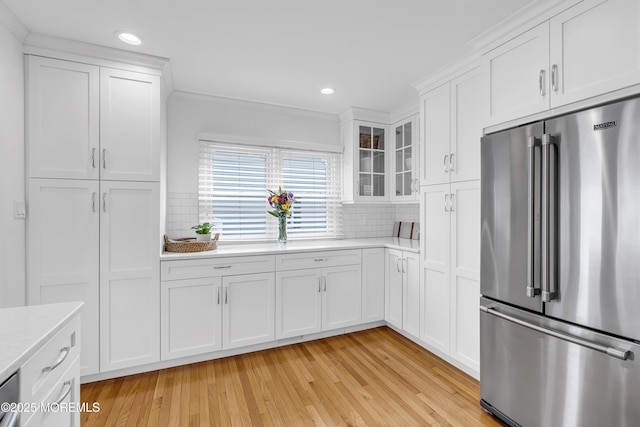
341, 296
191, 317
465, 273
63, 253
373, 278
393, 303
248, 315
298, 302
371, 160
434, 276
404, 160
129, 274
62, 119
435, 111
595, 49
129, 126
411, 293
466, 127
516, 77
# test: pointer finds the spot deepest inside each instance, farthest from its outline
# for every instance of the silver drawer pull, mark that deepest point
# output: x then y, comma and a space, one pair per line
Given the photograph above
321, 259
64, 352
618, 353
64, 395
221, 266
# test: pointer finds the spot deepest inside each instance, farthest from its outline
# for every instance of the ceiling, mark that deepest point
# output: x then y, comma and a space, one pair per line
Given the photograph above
283, 51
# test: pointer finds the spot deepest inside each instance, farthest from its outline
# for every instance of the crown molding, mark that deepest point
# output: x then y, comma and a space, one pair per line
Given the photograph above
317, 115
518, 22
72, 50
358, 113
12, 23
448, 73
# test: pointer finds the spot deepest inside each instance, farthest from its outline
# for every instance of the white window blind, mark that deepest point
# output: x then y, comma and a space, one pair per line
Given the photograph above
233, 191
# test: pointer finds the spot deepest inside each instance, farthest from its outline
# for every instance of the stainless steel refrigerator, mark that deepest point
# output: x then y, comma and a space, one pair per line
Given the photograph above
560, 270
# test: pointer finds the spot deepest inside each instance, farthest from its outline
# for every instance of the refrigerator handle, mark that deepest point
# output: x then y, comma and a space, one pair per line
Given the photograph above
533, 235
549, 217
618, 353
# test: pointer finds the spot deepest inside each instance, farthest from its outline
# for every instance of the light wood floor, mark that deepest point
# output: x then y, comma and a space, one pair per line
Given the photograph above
368, 378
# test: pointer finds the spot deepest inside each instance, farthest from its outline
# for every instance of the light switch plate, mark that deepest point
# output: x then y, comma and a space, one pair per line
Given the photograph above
19, 209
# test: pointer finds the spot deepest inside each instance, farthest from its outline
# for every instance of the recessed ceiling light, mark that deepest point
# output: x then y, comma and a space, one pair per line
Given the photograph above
327, 91
129, 38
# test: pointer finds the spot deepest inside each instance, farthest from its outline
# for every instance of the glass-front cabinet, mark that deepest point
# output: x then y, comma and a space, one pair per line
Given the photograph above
404, 160
371, 161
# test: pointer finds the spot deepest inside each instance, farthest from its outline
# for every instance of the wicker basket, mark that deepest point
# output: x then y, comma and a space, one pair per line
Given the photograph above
189, 244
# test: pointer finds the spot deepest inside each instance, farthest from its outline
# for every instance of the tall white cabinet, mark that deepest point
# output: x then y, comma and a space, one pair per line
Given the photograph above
451, 123
93, 163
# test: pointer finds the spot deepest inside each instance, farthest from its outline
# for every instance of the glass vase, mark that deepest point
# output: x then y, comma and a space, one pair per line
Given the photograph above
282, 229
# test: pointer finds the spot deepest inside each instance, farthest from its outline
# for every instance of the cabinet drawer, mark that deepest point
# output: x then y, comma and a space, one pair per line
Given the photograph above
45, 368
230, 266
318, 259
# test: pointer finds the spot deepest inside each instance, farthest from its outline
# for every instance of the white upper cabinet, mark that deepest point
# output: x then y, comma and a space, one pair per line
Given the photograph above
62, 119
370, 161
451, 131
403, 151
516, 76
90, 122
595, 48
129, 126
590, 49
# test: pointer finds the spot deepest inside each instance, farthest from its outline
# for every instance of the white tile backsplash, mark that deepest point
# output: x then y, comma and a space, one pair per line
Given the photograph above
182, 214
408, 213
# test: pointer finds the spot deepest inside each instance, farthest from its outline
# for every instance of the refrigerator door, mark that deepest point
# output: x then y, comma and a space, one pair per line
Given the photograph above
531, 378
507, 247
598, 238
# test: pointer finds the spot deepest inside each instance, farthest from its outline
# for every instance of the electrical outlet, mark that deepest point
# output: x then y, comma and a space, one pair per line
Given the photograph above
19, 209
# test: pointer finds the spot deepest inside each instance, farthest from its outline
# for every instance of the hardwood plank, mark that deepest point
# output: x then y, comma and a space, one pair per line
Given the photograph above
374, 378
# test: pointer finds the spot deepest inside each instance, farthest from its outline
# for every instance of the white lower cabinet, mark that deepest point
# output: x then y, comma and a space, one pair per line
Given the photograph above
403, 291
248, 310
450, 272
373, 284
207, 314
318, 299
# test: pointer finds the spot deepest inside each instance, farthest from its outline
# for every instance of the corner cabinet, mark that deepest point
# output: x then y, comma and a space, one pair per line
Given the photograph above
404, 156
365, 161
586, 50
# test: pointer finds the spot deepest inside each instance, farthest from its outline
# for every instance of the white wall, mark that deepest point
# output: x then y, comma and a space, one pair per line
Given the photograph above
191, 114
12, 231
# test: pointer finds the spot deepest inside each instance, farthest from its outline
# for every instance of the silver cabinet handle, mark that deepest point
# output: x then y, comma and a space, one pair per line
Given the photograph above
321, 259
64, 352
104, 158
452, 201
93, 158
226, 295
446, 163
549, 212
398, 265
104, 202
324, 281
451, 168
218, 295
618, 353
446, 203
69, 386
533, 235
541, 82
217, 267
319, 283
93, 201
554, 77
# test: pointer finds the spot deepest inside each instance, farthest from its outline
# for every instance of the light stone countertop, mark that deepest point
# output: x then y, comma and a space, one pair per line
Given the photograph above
297, 246
24, 330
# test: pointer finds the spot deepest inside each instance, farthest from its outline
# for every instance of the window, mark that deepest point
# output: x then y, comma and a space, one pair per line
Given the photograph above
233, 191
